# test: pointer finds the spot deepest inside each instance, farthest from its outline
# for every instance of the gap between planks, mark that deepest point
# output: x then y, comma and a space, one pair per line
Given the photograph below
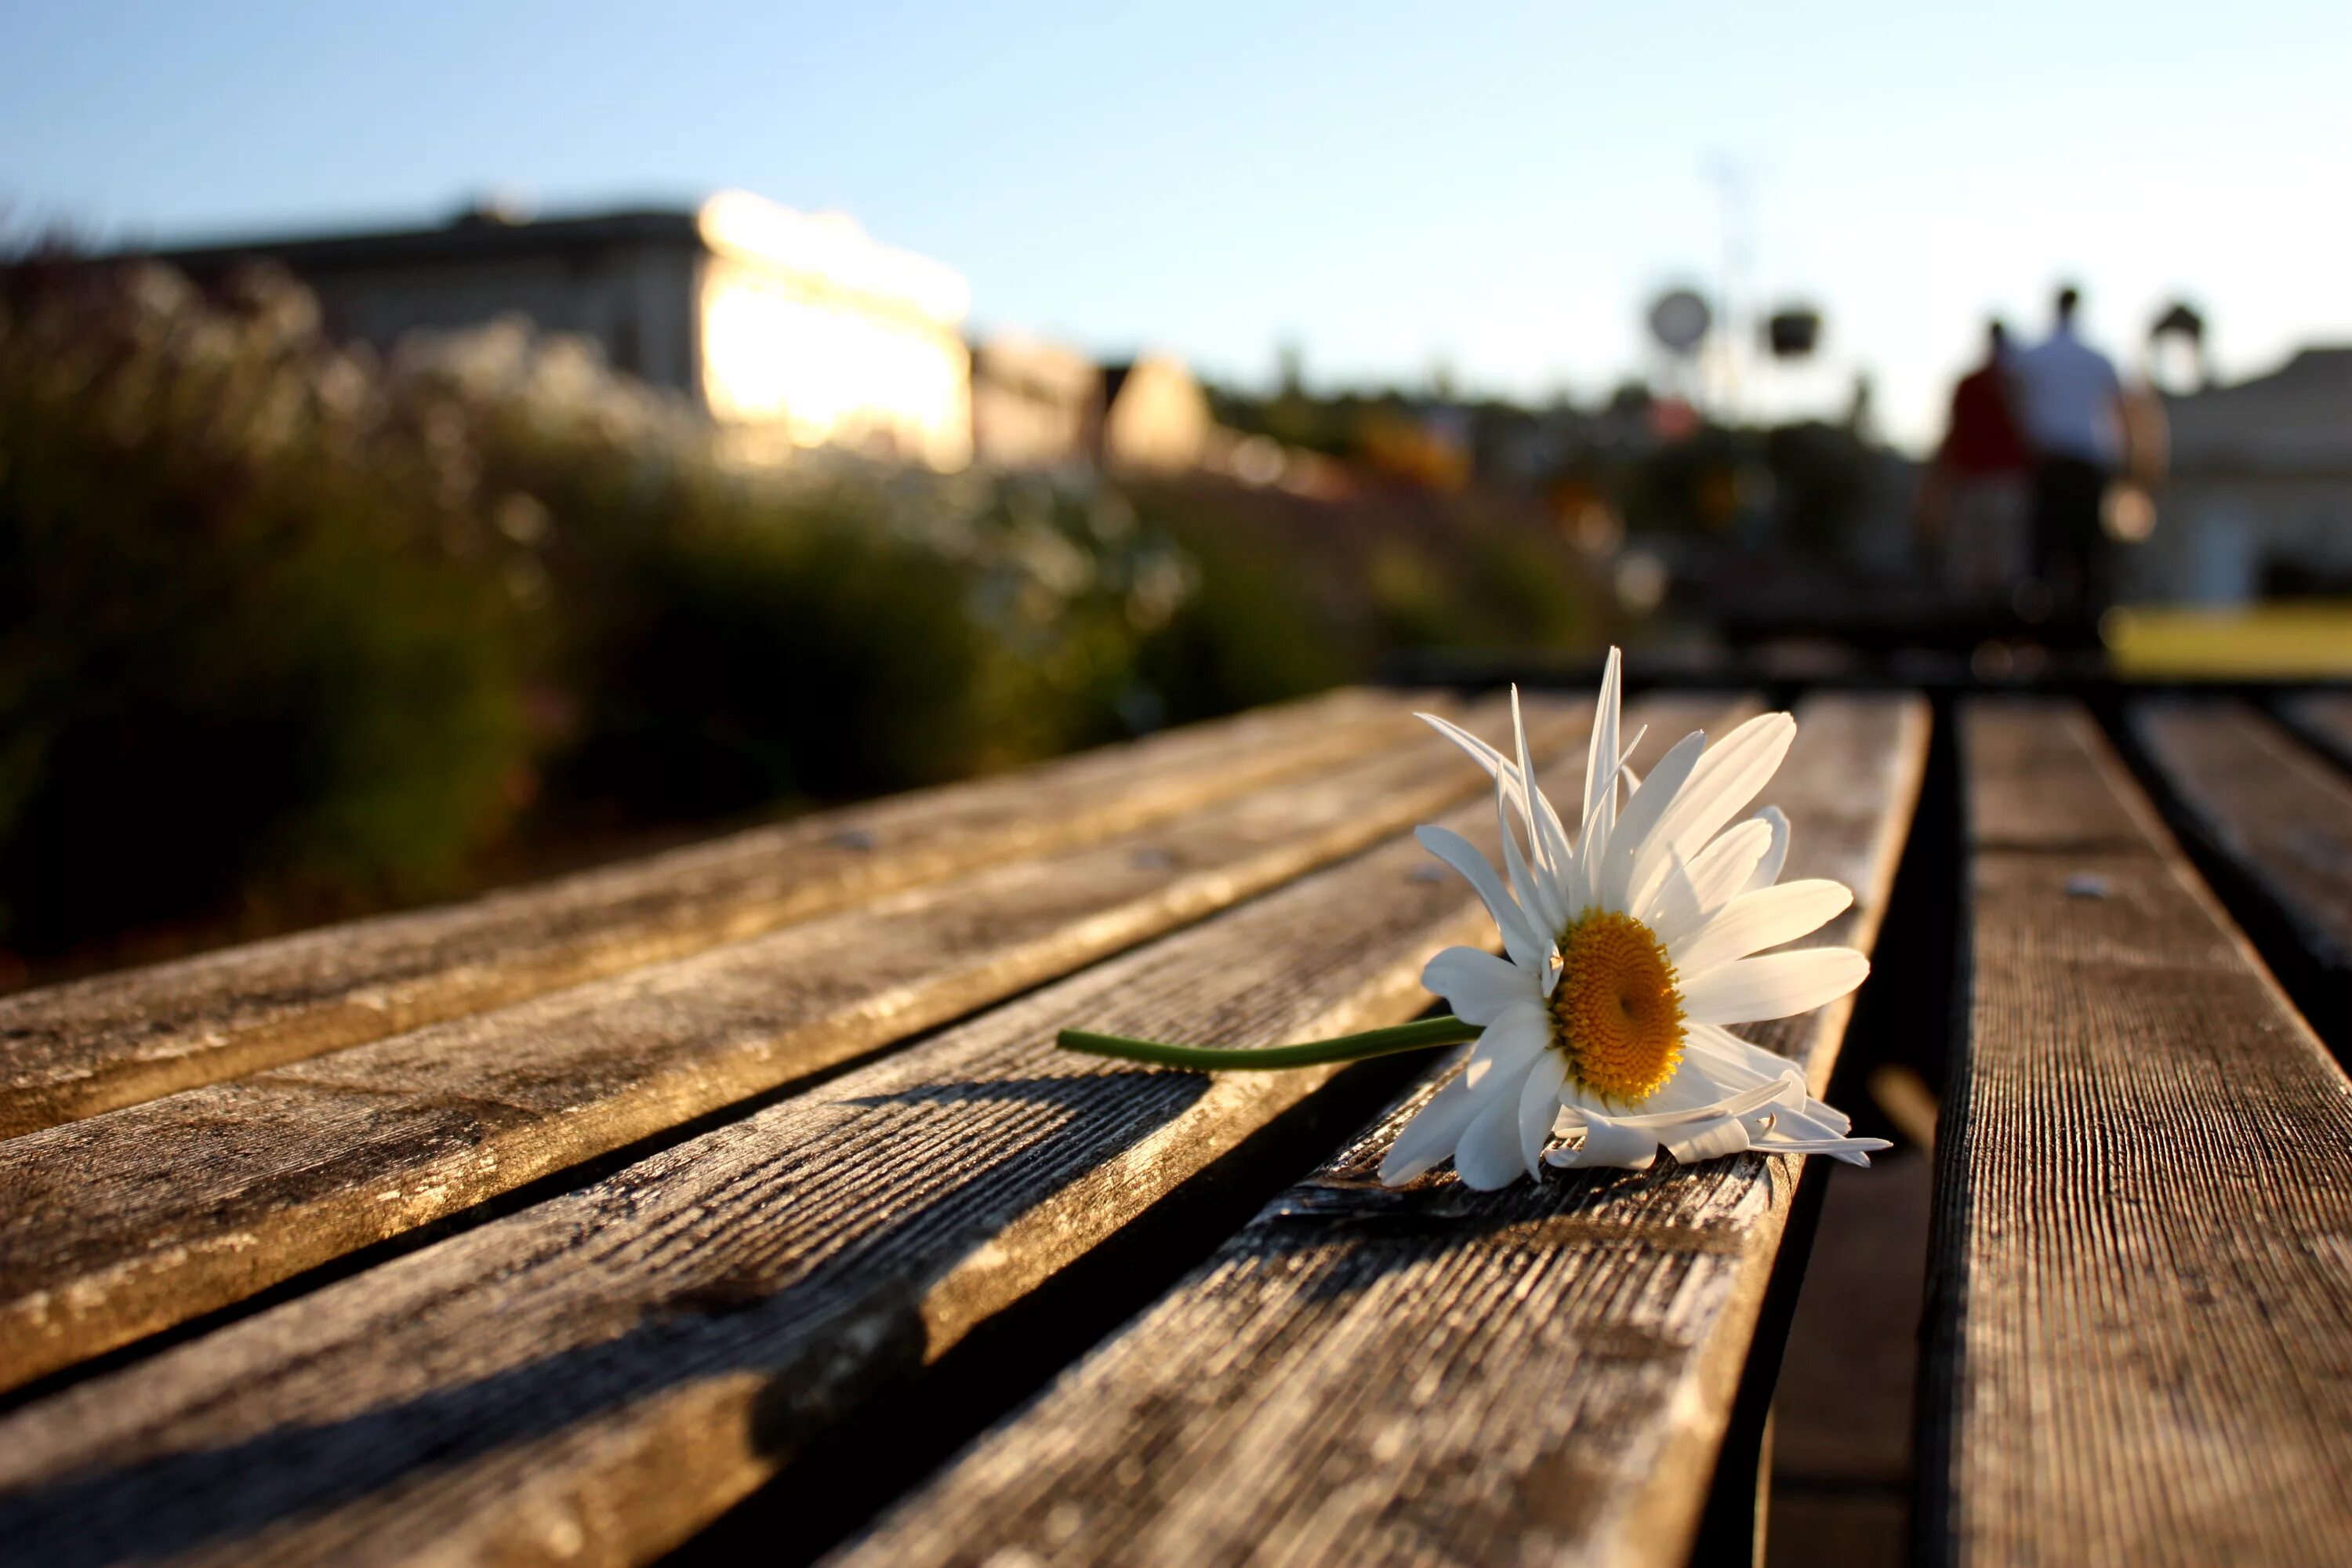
2280, 815
596, 1377
76, 1049
127, 1222
1438, 1375
2324, 719
2139, 1345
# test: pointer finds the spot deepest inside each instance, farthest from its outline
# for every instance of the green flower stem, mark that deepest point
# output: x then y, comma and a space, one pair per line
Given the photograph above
1415, 1037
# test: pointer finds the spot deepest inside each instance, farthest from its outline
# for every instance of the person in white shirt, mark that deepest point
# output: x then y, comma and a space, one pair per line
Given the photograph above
2070, 403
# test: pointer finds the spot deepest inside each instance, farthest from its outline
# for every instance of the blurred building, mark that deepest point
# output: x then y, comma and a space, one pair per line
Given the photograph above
794, 330
1155, 418
2259, 500
1035, 404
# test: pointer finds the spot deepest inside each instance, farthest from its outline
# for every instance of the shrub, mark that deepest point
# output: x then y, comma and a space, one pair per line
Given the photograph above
1259, 628
254, 648
1295, 595
750, 665
284, 633
727, 636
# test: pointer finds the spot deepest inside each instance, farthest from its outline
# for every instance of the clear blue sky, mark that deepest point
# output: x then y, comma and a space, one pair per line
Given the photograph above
1495, 187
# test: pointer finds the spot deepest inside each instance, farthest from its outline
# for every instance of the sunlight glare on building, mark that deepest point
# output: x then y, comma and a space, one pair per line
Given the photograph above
813, 329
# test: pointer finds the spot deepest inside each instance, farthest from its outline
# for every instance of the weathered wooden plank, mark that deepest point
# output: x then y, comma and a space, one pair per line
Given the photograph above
596, 1376
2140, 1298
213, 1192
1437, 1376
74, 1051
2283, 817
2050, 803
2324, 719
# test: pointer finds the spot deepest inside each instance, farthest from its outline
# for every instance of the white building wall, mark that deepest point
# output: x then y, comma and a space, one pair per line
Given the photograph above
814, 333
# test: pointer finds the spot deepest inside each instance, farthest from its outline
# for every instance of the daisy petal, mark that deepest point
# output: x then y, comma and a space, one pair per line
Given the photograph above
1538, 1103
1496, 765
1728, 1064
1485, 755
1675, 908
1625, 760
1698, 1085
1756, 920
1773, 986
1853, 1150
1608, 1143
1730, 1061
1527, 775
1507, 773
1767, 871
1477, 986
1488, 1155
1509, 1046
1725, 780
1707, 1140
1716, 874
1789, 1090
1808, 1125
1532, 884
1643, 807
1547, 840
1836, 1124
1519, 938
1601, 762
1431, 1133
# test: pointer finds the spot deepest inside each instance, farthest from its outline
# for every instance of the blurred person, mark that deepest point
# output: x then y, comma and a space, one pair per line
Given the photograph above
2070, 405
1980, 478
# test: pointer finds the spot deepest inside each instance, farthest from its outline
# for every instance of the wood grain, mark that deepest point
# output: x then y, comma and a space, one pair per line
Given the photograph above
2283, 817
2324, 719
74, 1051
2140, 1298
1436, 1375
592, 1379
215, 1193
2046, 800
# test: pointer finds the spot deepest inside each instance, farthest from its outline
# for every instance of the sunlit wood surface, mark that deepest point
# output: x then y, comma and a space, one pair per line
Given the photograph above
737, 1201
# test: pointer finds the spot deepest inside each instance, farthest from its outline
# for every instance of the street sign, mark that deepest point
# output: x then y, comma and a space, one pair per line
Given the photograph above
1679, 319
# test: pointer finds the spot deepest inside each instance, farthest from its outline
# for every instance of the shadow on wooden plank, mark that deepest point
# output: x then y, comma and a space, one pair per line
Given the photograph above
1371, 1374
2269, 825
879, 1142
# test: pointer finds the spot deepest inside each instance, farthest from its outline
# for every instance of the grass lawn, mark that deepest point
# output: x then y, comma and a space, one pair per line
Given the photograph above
2254, 642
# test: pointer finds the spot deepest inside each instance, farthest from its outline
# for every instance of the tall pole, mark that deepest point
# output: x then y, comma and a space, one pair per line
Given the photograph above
1732, 185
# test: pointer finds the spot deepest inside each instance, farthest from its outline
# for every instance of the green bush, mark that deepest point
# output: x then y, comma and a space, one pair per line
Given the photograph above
254, 650
286, 633
1297, 595
1257, 629
727, 638
753, 665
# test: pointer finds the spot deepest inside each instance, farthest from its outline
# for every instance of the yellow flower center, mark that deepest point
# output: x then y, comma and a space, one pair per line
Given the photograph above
1616, 1012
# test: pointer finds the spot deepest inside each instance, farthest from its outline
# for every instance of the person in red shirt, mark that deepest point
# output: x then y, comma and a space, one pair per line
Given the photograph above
1983, 472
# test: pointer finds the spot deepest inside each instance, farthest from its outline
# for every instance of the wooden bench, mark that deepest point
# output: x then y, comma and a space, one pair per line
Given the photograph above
737, 1202
2141, 1320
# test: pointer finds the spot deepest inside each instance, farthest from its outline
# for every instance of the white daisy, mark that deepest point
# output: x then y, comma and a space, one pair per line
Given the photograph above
1626, 954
